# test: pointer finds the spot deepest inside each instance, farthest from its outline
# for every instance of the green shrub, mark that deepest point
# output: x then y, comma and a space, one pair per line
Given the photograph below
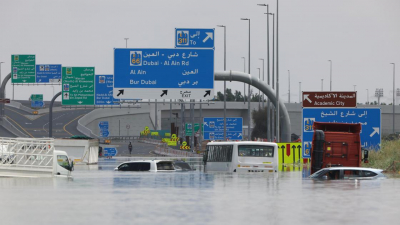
382, 159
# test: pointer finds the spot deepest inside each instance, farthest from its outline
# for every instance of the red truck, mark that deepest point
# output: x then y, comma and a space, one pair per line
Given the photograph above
336, 144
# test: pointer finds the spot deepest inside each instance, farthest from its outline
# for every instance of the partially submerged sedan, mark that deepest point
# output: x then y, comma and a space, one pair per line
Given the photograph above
147, 165
347, 173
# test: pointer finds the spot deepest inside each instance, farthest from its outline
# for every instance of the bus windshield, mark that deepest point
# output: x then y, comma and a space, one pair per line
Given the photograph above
256, 151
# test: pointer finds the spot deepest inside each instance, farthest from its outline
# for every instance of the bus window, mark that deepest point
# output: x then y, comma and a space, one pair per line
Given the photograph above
219, 153
256, 151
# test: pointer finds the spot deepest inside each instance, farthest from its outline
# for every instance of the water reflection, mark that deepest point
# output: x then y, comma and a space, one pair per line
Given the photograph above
99, 195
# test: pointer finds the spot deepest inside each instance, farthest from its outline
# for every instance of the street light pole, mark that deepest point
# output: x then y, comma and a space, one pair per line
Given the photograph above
278, 136
289, 86
244, 85
330, 75
394, 90
126, 42
263, 82
248, 135
367, 97
224, 80
273, 119
259, 92
322, 84
300, 92
354, 87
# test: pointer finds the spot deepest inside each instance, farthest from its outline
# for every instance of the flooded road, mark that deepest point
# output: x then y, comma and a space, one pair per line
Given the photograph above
99, 195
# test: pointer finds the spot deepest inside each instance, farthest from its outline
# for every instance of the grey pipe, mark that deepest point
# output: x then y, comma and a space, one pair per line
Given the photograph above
255, 82
51, 114
2, 95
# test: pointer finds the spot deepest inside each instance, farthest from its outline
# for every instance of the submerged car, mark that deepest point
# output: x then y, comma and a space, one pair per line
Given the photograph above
182, 166
347, 173
147, 165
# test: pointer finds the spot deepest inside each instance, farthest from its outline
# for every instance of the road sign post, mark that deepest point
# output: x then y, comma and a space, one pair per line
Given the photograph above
214, 128
48, 73
78, 86
163, 73
104, 90
370, 119
344, 99
37, 100
194, 38
23, 68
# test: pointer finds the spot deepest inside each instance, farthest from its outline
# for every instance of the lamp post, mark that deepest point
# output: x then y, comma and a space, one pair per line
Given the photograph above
394, 90
273, 72
269, 136
248, 135
354, 87
224, 80
322, 84
126, 42
289, 87
367, 97
0, 73
244, 84
263, 81
259, 92
330, 75
300, 92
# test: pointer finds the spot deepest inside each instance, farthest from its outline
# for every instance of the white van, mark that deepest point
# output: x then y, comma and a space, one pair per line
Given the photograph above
147, 165
244, 156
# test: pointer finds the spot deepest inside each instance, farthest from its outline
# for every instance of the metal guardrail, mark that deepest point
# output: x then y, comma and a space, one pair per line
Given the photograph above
123, 137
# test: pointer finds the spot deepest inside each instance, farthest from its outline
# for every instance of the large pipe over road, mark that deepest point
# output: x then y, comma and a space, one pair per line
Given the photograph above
255, 82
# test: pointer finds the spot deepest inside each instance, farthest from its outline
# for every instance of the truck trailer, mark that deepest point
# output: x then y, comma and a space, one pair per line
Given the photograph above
336, 144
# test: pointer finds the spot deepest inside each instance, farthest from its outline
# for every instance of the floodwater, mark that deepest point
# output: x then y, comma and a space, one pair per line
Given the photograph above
99, 195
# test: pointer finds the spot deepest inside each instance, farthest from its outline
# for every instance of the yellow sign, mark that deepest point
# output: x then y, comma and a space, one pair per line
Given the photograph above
35, 112
154, 133
174, 137
167, 134
172, 143
107, 141
184, 145
165, 140
290, 153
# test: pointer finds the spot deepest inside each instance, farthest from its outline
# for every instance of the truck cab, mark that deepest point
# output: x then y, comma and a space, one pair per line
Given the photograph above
62, 166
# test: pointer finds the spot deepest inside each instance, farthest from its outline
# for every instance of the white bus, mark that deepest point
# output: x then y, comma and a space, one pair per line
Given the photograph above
244, 156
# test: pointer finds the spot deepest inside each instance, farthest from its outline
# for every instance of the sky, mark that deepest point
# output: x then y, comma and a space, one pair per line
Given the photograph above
360, 37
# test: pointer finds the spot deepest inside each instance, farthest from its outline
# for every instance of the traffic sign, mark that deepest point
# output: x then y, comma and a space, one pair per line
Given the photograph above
78, 86
36, 97
103, 125
194, 38
370, 119
289, 152
37, 104
48, 73
331, 99
214, 128
104, 90
23, 68
188, 128
110, 152
163, 73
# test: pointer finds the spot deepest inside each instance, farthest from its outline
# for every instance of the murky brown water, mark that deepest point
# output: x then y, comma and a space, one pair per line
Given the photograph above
99, 195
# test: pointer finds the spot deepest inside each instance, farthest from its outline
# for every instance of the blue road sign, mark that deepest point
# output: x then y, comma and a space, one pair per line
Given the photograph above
48, 73
37, 104
163, 73
214, 128
370, 119
110, 152
104, 90
194, 38
103, 125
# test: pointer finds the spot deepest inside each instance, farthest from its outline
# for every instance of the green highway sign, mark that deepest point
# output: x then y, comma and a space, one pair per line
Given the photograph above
37, 97
188, 128
78, 86
23, 68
